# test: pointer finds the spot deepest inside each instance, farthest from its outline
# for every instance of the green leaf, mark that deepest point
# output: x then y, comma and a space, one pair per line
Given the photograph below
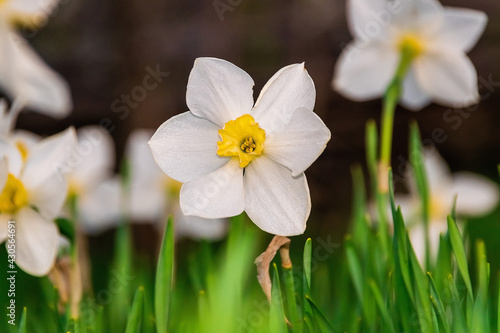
438, 305
291, 299
164, 278
306, 281
66, 228
371, 150
22, 323
277, 321
480, 318
382, 308
417, 161
458, 248
322, 322
136, 313
424, 309
498, 304
307, 264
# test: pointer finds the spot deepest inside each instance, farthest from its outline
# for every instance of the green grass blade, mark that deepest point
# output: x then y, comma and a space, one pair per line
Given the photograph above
498, 304
136, 313
291, 299
382, 308
480, 317
322, 322
417, 161
22, 323
164, 278
424, 308
458, 248
277, 321
438, 305
307, 259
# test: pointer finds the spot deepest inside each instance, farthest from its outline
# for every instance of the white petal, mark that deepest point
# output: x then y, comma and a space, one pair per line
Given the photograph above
462, 27
143, 166
185, 147
438, 174
417, 238
424, 16
147, 201
30, 12
476, 195
12, 156
50, 157
4, 219
216, 195
300, 142
25, 77
28, 139
48, 196
364, 71
100, 209
449, 77
410, 207
198, 227
93, 157
37, 240
4, 172
414, 98
219, 91
286, 91
365, 17
275, 201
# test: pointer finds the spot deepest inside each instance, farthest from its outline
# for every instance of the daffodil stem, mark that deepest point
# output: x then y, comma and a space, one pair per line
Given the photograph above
291, 300
391, 98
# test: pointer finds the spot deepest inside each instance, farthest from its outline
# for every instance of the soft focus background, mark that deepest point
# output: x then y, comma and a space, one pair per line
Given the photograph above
104, 49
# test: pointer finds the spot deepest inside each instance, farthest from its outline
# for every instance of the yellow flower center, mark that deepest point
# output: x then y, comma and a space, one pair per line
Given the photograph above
242, 138
438, 209
13, 195
412, 44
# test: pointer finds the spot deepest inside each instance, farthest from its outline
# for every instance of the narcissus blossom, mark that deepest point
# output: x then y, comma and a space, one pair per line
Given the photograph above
151, 196
24, 77
476, 196
234, 156
437, 39
32, 194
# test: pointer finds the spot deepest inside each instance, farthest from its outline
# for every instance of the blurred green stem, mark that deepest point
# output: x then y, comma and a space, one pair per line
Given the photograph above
291, 300
391, 98
75, 273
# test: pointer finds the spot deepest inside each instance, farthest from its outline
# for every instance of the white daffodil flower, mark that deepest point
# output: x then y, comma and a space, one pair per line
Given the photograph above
33, 193
476, 196
438, 38
233, 156
24, 77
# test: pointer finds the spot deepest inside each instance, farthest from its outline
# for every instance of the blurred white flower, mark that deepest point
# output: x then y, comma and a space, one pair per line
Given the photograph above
93, 159
33, 193
438, 38
93, 162
233, 156
24, 77
476, 196
154, 195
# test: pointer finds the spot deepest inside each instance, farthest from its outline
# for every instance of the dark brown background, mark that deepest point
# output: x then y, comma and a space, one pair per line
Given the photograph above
103, 48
